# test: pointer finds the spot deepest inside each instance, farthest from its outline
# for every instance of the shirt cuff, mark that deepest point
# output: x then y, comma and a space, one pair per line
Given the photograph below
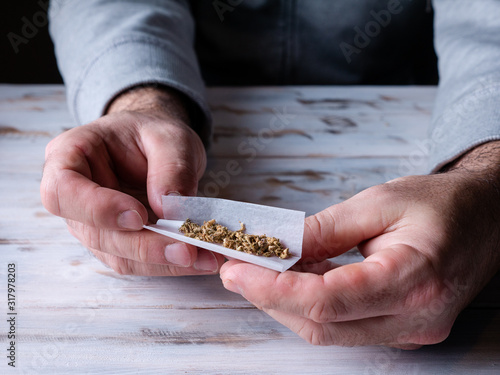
472, 120
132, 62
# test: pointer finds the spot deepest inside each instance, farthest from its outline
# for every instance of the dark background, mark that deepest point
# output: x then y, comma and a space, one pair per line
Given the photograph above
35, 61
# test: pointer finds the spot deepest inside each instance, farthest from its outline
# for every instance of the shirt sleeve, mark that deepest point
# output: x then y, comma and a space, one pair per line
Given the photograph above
104, 47
467, 109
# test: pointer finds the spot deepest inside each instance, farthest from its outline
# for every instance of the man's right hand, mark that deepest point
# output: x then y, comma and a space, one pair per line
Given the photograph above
106, 179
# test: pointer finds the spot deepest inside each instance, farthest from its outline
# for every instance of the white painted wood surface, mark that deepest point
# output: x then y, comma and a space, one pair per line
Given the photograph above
77, 316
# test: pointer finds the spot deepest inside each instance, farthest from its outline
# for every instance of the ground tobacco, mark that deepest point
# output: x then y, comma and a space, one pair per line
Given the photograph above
210, 231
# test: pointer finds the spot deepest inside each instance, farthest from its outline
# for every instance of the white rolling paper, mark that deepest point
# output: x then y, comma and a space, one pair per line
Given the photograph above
287, 225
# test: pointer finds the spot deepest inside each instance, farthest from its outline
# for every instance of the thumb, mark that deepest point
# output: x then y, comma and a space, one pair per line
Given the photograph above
176, 161
341, 227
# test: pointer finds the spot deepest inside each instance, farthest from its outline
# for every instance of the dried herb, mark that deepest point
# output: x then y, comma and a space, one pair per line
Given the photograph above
210, 231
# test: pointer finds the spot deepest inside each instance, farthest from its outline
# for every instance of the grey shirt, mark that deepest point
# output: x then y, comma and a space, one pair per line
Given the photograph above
106, 46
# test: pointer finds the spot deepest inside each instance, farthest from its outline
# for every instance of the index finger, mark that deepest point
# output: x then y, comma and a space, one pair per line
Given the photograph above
68, 188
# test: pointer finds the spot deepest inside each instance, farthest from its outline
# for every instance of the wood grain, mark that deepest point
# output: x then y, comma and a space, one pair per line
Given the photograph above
312, 147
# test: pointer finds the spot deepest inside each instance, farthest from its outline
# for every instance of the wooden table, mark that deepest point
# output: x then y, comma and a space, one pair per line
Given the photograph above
299, 148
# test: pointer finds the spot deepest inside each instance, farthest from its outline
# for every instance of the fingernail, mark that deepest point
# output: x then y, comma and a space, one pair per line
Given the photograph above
173, 194
130, 220
178, 254
206, 261
231, 286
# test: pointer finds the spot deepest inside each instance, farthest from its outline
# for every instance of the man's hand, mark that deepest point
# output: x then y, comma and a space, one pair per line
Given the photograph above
430, 242
106, 178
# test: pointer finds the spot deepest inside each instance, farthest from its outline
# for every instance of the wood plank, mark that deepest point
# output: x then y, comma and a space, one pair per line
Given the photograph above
316, 121
76, 315
307, 184
230, 342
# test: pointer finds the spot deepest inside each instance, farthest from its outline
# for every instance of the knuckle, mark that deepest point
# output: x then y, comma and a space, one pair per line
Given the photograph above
379, 193
431, 336
322, 232
287, 281
341, 307
433, 321
316, 338
174, 271
307, 332
51, 146
91, 237
92, 215
314, 232
387, 192
183, 176
48, 185
49, 194
185, 170
50, 201
322, 312
140, 249
315, 334
121, 266
75, 230
327, 228
438, 335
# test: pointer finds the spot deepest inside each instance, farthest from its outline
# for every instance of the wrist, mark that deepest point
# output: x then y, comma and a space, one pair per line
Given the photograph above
478, 174
482, 161
159, 101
